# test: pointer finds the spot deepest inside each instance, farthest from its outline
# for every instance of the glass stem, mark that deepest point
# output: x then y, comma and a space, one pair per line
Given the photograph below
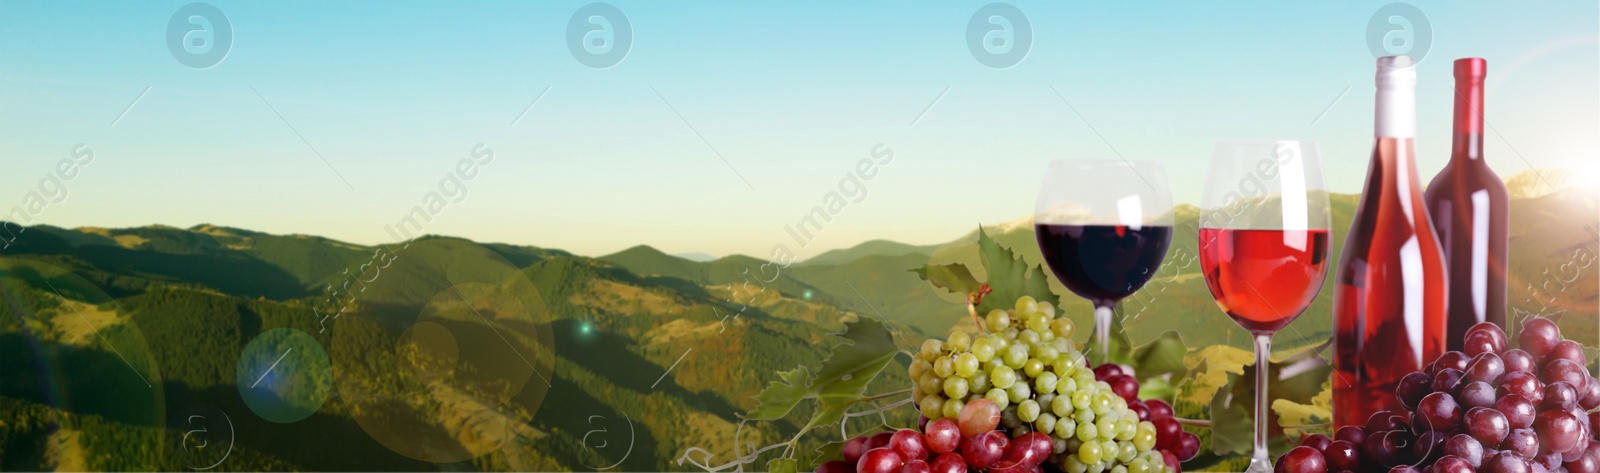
1102, 332
1263, 351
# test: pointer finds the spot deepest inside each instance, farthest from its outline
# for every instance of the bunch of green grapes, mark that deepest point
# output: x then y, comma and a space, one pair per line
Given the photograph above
1027, 365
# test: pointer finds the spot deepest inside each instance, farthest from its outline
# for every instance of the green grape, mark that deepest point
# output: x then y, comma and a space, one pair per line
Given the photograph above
1110, 449
979, 382
1097, 468
1080, 399
1126, 428
1075, 465
1062, 328
1061, 405
1002, 377
1144, 439
1027, 410
1016, 355
1085, 416
1026, 304
1019, 391
993, 362
1045, 383
959, 342
1066, 385
1047, 309
966, 364
952, 408
1101, 401
1138, 465
1066, 428
1105, 425
930, 405
931, 383
1086, 433
931, 348
999, 341
955, 388
1046, 352
1033, 367
944, 367
997, 320
1039, 323
918, 367
1029, 337
999, 397
983, 349
1046, 423
1090, 452
1119, 468
1126, 452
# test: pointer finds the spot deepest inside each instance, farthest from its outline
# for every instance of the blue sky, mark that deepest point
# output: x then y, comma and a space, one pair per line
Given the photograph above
790, 94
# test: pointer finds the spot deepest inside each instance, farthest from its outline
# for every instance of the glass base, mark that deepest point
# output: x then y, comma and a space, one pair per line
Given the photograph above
1259, 465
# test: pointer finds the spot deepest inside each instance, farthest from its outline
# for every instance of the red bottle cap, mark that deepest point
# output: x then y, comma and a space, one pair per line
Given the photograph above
1473, 68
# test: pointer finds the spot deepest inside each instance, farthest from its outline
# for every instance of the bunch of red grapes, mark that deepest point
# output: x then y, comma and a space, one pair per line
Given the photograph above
1485, 409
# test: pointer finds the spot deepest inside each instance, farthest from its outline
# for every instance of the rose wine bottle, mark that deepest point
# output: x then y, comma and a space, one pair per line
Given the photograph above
1469, 207
1389, 304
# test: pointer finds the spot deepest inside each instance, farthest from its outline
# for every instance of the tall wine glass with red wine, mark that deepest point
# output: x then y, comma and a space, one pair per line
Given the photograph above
1264, 222
1103, 227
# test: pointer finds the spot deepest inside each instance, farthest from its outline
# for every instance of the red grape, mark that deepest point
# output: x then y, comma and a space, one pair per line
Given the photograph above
1568, 350
836, 466
879, 460
1159, 409
1591, 394
1485, 337
1172, 460
1350, 433
1538, 336
1451, 359
949, 463
1584, 464
1518, 409
1506, 462
1167, 431
1465, 447
1302, 460
1476, 394
1429, 447
942, 436
1189, 446
1559, 396
984, 449
1384, 421
916, 466
1317, 441
1561, 369
1517, 360
1486, 367
1487, 425
1453, 464
909, 444
922, 421
1125, 387
1447, 380
1558, 431
1341, 455
1106, 371
1579, 450
1522, 441
878, 440
1385, 449
853, 449
978, 417
1412, 387
1043, 446
1139, 407
1525, 384
1404, 469
1018, 455
1438, 411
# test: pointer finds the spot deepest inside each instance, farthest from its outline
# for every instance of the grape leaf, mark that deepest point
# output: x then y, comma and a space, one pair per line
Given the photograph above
1297, 379
1162, 357
866, 348
780, 397
826, 452
1011, 277
782, 465
952, 277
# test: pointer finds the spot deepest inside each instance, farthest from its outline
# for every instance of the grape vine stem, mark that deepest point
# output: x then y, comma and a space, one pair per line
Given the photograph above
1204, 424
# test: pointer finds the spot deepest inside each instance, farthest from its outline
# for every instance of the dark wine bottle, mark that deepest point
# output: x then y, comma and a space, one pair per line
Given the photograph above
1470, 210
1390, 301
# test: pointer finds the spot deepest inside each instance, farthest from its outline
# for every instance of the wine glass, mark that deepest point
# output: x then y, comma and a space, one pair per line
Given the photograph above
1264, 222
1103, 227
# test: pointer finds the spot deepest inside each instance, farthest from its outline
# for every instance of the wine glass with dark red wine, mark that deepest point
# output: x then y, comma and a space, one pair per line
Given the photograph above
1103, 227
1264, 222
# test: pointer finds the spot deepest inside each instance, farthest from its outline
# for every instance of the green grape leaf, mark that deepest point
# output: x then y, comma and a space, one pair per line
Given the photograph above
952, 277
826, 452
1161, 358
1297, 379
783, 465
1011, 277
780, 397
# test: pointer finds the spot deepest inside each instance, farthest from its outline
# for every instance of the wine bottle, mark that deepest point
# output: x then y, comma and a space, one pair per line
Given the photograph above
1469, 206
1390, 301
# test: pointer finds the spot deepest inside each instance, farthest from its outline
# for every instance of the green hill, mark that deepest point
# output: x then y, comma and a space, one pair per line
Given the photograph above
868, 248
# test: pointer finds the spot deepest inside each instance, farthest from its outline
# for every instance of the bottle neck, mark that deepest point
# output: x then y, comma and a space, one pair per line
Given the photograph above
1467, 143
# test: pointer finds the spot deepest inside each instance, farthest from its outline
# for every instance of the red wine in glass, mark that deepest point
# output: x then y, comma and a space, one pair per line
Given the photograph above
1103, 263
1263, 278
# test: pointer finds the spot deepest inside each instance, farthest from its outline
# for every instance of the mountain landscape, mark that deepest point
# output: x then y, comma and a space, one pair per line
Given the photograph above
445, 353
